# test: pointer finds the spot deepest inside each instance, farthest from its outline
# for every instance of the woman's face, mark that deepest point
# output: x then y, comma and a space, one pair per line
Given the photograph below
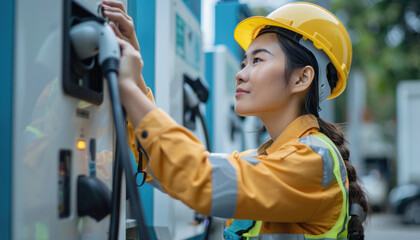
261, 86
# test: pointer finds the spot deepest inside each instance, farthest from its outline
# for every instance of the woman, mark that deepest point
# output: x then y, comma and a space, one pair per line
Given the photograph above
299, 184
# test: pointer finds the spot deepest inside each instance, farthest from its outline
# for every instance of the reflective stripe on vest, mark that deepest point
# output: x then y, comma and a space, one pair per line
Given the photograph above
333, 171
239, 228
340, 172
284, 236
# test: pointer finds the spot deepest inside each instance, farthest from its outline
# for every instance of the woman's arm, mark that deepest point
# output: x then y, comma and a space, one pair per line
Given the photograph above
133, 98
285, 186
137, 102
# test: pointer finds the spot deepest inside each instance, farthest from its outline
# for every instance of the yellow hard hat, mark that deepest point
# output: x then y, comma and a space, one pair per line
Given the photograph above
312, 22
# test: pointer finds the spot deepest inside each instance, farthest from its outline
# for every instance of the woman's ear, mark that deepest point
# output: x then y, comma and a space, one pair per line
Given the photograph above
302, 79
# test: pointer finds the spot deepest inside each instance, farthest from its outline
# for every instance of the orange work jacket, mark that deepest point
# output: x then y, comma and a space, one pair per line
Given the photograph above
286, 184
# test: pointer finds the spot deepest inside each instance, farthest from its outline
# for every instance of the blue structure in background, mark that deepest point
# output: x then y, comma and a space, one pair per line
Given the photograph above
6, 120
195, 8
143, 13
209, 105
228, 13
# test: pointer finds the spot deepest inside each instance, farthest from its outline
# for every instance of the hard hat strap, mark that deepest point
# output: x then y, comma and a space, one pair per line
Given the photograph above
324, 88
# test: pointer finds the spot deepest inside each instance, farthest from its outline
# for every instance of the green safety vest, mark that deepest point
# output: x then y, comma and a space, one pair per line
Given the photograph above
250, 230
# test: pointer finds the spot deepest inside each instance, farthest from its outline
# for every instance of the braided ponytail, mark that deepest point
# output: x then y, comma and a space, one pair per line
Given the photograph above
356, 194
333, 131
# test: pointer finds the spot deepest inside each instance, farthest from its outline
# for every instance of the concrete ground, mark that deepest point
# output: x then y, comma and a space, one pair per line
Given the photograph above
384, 226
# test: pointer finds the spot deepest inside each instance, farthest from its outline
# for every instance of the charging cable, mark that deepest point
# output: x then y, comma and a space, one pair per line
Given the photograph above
90, 38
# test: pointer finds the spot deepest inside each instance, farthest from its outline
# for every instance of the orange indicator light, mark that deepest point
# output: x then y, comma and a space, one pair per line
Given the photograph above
81, 144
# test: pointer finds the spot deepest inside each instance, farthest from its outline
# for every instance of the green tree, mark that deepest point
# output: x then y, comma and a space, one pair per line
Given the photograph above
386, 46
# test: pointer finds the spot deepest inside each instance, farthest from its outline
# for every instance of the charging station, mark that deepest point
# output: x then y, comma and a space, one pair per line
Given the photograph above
7, 44
62, 136
63, 139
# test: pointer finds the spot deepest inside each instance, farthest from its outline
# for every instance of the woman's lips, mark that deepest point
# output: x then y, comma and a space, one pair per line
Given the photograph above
240, 92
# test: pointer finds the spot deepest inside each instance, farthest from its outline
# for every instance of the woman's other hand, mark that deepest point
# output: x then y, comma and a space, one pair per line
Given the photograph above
131, 65
134, 100
115, 11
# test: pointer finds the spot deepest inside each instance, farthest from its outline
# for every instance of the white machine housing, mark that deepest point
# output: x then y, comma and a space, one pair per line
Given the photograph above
48, 121
178, 52
224, 68
408, 129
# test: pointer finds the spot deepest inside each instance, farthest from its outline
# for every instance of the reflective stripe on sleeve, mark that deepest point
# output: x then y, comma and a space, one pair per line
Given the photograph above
250, 157
327, 160
343, 170
224, 186
155, 182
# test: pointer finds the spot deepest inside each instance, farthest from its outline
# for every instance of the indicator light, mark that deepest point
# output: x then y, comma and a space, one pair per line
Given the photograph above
81, 144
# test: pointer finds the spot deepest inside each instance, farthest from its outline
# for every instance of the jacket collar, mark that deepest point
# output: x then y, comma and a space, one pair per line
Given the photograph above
294, 130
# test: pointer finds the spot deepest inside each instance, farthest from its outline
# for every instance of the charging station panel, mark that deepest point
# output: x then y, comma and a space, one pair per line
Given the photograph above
82, 79
227, 127
229, 131
57, 137
177, 56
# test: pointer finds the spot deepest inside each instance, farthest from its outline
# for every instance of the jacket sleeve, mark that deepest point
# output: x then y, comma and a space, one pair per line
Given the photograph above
132, 139
281, 187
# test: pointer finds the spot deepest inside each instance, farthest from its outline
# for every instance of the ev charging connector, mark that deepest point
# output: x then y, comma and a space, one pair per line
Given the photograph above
89, 39
92, 39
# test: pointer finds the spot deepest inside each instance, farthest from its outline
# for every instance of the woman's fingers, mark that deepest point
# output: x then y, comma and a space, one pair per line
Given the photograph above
123, 23
116, 30
128, 50
116, 4
122, 13
115, 12
124, 45
131, 64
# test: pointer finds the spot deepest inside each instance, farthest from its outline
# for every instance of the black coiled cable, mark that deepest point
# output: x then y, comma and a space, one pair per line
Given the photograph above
110, 69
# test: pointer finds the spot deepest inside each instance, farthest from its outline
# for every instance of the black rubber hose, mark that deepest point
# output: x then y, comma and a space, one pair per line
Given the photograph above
208, 145
116, 193
206, 132
109, 69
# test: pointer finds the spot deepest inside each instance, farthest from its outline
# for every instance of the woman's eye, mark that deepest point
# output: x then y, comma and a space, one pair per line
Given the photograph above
256, 60
242, 65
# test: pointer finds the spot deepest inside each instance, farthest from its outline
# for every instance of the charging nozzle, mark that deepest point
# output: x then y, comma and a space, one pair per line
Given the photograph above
199, 86
91, 38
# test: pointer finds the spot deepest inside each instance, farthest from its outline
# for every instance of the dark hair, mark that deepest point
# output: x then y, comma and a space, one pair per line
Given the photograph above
297, 57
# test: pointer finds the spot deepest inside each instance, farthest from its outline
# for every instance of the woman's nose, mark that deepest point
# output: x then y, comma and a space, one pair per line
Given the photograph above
241, 76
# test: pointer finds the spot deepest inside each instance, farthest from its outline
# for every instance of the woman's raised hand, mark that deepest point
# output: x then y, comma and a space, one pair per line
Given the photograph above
135, 102
124, 29
131, 65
